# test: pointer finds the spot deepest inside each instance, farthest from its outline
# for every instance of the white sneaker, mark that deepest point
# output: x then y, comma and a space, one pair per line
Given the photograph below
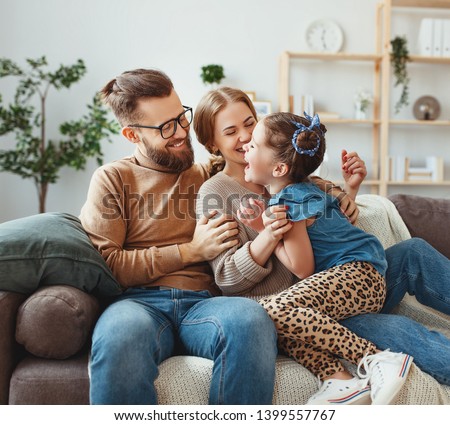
387, 373
342, 391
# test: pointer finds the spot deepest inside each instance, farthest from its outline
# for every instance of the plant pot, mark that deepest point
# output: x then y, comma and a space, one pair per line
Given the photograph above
360, 114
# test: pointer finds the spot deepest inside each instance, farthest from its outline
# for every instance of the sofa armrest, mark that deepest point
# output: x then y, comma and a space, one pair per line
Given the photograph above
56, 322
9, 304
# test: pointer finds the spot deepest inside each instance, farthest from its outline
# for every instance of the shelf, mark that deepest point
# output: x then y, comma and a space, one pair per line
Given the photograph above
351, 121
420, 122
401, 183
418, 183
361, 57
369, 182
430, 59
334, 56
439, 4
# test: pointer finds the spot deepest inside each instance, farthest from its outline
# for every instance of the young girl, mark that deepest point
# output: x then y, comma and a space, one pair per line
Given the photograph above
341, 266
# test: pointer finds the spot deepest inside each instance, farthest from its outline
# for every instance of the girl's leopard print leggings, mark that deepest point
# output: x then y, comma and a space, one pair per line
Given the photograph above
306, 316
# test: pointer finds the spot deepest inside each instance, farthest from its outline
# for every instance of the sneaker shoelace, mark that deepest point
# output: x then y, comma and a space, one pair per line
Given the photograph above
322, 386
372, 369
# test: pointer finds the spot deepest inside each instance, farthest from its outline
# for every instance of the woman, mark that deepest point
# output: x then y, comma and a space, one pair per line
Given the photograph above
224, 122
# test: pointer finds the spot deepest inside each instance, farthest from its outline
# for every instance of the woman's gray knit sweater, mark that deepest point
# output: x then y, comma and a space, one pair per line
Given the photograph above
235, 271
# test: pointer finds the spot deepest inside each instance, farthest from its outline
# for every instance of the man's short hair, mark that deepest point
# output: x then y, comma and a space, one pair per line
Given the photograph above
123, 92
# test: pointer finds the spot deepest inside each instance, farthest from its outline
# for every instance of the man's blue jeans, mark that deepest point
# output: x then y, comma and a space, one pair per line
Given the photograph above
143, 327
414, 267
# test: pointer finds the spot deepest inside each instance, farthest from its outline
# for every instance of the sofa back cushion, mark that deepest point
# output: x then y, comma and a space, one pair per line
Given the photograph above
426, 218
52, 249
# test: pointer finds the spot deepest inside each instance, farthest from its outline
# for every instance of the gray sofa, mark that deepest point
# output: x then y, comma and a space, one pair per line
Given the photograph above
46, 328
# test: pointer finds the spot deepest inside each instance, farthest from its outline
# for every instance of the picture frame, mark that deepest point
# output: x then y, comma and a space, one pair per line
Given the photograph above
251, 95
263, 107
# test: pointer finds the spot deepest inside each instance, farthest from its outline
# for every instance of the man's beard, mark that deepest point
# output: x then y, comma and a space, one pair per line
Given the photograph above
174, 162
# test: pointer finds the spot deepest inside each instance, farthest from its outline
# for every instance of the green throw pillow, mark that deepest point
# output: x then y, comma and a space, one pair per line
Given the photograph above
52, 249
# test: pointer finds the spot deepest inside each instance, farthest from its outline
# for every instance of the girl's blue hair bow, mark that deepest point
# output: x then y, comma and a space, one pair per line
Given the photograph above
314, 123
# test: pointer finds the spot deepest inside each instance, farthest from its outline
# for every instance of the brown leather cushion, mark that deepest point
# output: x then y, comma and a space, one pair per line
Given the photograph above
56, 321
426, 218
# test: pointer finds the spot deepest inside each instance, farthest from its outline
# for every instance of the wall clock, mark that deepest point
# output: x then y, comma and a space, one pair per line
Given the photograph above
324, 35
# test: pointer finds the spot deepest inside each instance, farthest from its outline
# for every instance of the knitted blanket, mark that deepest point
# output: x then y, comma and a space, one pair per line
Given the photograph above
378, 216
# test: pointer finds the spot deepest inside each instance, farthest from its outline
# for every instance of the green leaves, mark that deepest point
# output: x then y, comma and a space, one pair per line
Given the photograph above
212, 74
84, 135
399, 59
8, 67
34, 156
16, 117
22, 160
38, 79
65, 76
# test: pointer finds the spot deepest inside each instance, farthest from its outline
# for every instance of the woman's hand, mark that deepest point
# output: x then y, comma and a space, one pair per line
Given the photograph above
354, 169
354, 172
251, 213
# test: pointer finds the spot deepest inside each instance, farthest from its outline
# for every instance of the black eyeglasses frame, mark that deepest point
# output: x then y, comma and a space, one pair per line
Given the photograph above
174, 120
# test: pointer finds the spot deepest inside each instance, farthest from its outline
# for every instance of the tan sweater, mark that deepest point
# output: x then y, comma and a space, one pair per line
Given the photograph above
136, 214
235, 271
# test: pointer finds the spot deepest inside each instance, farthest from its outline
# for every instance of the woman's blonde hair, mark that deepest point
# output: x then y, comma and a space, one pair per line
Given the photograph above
205, 115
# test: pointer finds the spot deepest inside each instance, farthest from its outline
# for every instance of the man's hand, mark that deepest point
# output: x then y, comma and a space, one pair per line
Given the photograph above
211, 237
348, 206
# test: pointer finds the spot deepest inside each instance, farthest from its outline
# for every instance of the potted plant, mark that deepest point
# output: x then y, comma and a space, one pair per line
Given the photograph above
212, 74
363, 99
35, 156
399, 59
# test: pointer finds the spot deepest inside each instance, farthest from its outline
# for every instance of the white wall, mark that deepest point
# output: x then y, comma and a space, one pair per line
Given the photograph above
112, 36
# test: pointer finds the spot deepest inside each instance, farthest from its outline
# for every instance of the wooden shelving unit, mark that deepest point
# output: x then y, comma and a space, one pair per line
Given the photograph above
386, 121
374, 123
381, 121
285, 65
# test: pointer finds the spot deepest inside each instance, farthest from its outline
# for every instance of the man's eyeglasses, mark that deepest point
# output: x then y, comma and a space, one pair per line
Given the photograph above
169, 128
